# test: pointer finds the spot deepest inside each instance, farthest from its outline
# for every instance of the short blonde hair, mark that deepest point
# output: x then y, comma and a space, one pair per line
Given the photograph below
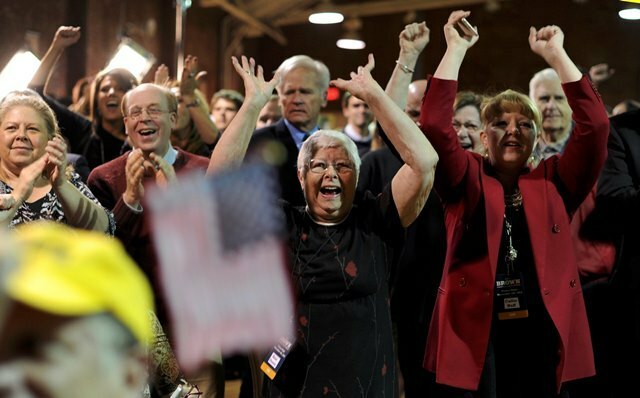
510, 101
33, 100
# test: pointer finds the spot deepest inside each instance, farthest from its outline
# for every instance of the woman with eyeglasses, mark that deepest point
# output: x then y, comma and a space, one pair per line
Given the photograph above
100, 138
509, 319
35, 180
466, 120
340, 251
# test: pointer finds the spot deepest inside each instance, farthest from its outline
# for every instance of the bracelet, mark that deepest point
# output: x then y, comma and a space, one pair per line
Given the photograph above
193, 104
404, 67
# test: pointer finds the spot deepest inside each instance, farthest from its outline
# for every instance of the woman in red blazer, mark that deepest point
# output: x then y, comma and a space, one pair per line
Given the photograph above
509, 320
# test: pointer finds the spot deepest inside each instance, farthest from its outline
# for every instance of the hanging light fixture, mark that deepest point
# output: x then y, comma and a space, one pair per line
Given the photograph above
351, 40
630, 13
132, 57
325, 14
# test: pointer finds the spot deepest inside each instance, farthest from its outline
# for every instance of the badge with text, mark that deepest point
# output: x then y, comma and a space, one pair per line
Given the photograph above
274, 359
510, 297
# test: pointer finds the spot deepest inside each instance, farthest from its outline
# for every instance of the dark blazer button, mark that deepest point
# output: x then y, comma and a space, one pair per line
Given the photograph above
572, 283
556, 228
462, 282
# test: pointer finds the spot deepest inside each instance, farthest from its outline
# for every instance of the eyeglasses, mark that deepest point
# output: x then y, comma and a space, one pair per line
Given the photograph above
318, 166
457, 126
153, 112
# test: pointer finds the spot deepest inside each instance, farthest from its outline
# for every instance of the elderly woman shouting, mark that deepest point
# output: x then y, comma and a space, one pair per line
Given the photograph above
509, 319
339, 248
34, 181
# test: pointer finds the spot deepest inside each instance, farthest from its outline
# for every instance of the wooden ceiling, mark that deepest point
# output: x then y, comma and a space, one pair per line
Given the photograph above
265, 17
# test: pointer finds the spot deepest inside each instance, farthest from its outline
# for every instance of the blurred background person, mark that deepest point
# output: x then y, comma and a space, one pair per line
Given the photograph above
618, 196
625, 106
224, 106
80, 96
101, 138
359, 117
466, 121
545, 89
194, 131
270, 113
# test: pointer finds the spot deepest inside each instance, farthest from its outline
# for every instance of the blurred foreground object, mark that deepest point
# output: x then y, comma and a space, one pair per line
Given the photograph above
76, 315
222, 263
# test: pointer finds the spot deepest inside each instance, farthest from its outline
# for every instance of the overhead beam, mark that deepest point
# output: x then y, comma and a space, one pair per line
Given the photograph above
247, 18
379, 8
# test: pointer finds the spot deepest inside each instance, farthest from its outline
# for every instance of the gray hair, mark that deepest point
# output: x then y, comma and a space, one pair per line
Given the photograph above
306, 62
327, 139
545, 75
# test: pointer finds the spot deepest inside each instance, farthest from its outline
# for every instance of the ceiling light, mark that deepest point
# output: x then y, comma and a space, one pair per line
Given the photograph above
325, 13
352, 40
18, 72
630, 14
349, 42
132, 57
326, 18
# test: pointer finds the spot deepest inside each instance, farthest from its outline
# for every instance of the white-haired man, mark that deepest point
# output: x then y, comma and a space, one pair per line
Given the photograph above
303, 93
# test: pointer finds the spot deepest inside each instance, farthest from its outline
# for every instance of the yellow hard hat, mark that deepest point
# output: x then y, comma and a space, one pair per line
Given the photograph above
71, 272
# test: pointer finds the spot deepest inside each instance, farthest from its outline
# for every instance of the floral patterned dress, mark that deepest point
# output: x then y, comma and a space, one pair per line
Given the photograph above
340, 275
50, 208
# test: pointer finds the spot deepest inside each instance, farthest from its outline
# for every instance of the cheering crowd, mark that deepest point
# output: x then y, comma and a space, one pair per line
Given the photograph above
444, 243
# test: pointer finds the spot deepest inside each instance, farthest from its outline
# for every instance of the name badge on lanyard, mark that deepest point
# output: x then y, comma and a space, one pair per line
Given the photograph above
274, 359
510, 299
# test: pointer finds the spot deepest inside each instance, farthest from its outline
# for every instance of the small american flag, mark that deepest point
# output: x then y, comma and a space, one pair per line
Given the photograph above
222, 262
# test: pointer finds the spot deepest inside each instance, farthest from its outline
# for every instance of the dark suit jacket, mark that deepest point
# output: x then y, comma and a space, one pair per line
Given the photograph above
619, 194
275, 145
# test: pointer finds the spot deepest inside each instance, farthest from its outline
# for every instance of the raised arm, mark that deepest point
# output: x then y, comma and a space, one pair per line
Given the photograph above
230, 150
437, 109
585, 153
413, 39
65, 36
198, 108
412, 183
457, 45
548, 42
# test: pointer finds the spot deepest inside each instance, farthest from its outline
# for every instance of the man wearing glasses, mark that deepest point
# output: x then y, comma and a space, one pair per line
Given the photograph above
150, 112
